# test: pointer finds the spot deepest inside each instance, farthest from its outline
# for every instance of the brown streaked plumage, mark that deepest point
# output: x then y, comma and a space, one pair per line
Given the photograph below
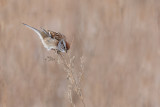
52, 40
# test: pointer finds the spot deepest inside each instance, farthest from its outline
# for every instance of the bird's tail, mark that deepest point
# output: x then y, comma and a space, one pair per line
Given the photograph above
39, 33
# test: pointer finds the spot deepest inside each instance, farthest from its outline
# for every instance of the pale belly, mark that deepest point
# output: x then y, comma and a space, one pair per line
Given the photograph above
50, 43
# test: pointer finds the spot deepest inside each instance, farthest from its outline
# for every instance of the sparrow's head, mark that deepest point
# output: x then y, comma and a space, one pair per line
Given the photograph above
63, 46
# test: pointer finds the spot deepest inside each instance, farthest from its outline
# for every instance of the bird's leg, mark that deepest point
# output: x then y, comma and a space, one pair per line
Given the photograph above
56, 51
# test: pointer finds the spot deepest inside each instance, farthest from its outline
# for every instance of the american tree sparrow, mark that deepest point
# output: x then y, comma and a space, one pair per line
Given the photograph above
52, 40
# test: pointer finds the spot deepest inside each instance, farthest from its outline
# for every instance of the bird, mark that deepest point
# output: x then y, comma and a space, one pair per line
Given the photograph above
51, 40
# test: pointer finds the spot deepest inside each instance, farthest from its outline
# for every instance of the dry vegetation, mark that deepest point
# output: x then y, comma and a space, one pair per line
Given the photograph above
119, 40
73, 75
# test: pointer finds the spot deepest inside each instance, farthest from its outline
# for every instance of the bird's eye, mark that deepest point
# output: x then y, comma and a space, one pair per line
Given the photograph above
62, 45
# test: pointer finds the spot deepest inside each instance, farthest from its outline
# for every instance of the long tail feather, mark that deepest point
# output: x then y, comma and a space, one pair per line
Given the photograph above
38, 32
41, 34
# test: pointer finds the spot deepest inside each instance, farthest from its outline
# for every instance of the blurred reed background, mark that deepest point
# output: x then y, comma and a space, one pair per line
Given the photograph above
120, 40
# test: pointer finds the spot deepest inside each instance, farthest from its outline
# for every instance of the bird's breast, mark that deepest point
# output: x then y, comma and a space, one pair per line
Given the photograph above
51, 43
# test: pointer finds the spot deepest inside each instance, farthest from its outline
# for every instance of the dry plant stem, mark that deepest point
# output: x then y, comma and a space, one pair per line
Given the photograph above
81, 75
72, 80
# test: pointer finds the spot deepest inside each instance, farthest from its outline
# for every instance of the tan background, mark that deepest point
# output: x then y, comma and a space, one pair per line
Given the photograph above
119, 38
